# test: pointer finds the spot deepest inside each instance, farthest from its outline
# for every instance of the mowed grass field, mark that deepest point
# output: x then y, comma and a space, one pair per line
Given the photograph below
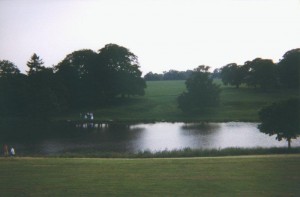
276, 175
160, 104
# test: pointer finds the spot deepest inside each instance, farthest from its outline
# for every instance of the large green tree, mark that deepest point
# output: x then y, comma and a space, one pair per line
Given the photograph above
8, 68
233, 74
261, 73
13, 90
77, 74
201, 91
122, 68
97, 78
281, 119
44, 97
289, 69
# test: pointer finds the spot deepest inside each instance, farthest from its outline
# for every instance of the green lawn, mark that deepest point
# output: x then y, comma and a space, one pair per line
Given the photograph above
277, 175
160, 104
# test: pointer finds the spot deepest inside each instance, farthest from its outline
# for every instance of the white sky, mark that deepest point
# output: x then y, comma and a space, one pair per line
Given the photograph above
164, 34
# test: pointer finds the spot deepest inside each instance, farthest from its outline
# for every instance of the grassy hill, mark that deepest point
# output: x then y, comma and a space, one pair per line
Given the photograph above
277, 175
160, 104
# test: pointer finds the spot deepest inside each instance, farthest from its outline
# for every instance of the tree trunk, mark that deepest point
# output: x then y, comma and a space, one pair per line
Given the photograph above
289, 143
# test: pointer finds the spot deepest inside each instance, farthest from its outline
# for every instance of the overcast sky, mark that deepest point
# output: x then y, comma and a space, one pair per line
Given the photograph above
164, 34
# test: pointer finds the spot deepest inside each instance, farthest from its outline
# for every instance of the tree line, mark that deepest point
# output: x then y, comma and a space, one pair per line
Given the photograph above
84, 78
264, 73
168, 75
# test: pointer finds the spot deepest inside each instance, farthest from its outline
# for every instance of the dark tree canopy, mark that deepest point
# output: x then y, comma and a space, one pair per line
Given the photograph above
233, 74
289, 69
83, 79
77, 64
97, 78
8, 69
122, 67
281, 119
201, 91
262, 73
43, 97
13, 89
75, 73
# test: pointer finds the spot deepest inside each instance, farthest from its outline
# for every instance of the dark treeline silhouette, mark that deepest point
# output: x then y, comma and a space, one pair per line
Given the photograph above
82, 79
86, 78
264, 73
168, 75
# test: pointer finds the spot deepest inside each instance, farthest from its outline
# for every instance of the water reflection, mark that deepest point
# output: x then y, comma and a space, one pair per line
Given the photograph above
195, 128
232, 134
159, 136
162, 136
153, 137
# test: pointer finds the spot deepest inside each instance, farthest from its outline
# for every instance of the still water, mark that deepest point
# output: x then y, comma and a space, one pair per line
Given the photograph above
155, 137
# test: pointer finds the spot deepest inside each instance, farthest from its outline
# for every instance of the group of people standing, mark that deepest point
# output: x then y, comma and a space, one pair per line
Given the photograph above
7, 151
87, 116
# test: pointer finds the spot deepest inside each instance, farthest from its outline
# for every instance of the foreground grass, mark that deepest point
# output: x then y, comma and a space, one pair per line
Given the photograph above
277, 175
160, 104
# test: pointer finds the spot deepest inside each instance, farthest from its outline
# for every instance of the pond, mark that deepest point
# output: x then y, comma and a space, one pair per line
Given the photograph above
154, 137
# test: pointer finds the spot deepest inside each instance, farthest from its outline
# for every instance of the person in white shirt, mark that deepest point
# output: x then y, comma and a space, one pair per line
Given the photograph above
12, 151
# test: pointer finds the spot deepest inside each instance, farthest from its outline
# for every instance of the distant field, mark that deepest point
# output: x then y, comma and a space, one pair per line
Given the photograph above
159, 104
277, 175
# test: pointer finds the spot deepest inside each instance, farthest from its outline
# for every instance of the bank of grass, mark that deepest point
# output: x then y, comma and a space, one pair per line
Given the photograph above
186, 152
160, 104
276, 175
